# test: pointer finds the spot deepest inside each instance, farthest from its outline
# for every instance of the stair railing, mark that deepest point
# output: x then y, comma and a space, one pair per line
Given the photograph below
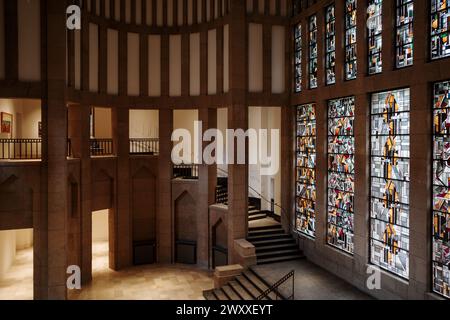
275, 288
260, 195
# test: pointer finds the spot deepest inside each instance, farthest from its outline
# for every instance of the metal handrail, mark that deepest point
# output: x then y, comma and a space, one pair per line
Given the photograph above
274, 287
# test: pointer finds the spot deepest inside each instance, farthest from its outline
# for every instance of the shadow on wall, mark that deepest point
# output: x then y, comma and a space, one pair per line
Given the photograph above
12, 241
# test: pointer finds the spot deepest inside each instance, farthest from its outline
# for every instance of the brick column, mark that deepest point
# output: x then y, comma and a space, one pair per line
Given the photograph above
164, 214
206, 191
50, 236
121, 236
237, 119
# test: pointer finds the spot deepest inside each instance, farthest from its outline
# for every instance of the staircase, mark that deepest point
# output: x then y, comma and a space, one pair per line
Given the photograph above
248, 286
273, 245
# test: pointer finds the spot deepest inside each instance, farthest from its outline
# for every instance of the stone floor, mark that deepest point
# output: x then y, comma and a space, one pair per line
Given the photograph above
17, 284
311, 282
172, 282
154, 282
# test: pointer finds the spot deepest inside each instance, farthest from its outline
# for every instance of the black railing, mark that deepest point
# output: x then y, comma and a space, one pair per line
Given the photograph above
20, 149
102, 147
185, 171
276, 288
144, 146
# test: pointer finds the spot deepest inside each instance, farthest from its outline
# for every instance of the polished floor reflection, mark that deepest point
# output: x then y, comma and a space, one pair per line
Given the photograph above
153, 282
17, 284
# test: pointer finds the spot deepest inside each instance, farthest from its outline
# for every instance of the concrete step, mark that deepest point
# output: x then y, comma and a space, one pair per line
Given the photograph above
257, 217
270, 227
276, 247
221, 295
241, 292
285, 240
278, 253
280, 259
229, 291
268, 237
254, 233
248, 286
209, 295
257, 279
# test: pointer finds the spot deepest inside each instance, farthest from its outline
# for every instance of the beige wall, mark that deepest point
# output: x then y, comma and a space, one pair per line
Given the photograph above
10, 242
184, 119
144, 124
29, 24
100, 229
255, 57
26, 116
265, 118
103, 124
2, 41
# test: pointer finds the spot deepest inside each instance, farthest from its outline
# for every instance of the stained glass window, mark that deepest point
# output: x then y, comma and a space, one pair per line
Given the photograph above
298, 57
341, 173
312, 68
440, 28
405, 34
441, 190
306, 170
350, 40
330, 45
390, 152
375, 27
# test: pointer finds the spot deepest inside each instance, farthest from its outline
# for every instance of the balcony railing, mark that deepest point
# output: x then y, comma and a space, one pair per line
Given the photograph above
20, 149
144, 146
185, 171
102, 147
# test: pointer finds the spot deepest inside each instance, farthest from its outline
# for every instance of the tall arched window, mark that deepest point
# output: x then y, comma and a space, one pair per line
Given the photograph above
312, 63
405, 33
441, 189
306, 170
440, 28
390, 152
350, 40
298, 57
330, 45
341, 173
375, 28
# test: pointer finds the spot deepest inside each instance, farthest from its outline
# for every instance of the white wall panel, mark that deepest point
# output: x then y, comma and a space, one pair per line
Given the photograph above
190, 12
107, 9
194, 64
226, 58
255, 58
154, 65
170, 21
261, 6
149, 12
212, 61
2, 40
138, 11
117, 8
159, 12
127, 11
113, 62
208, 10
180, 12
175, 65
29, 22
93, 57
278, 59
273, 7
133, 64
77, 58
283, 5
199, 11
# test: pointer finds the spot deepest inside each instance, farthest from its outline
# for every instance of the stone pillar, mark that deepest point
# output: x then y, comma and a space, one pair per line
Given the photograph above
206, 192
164, 214
237, 119
79, 134
50, 236
287, 167
120, 239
